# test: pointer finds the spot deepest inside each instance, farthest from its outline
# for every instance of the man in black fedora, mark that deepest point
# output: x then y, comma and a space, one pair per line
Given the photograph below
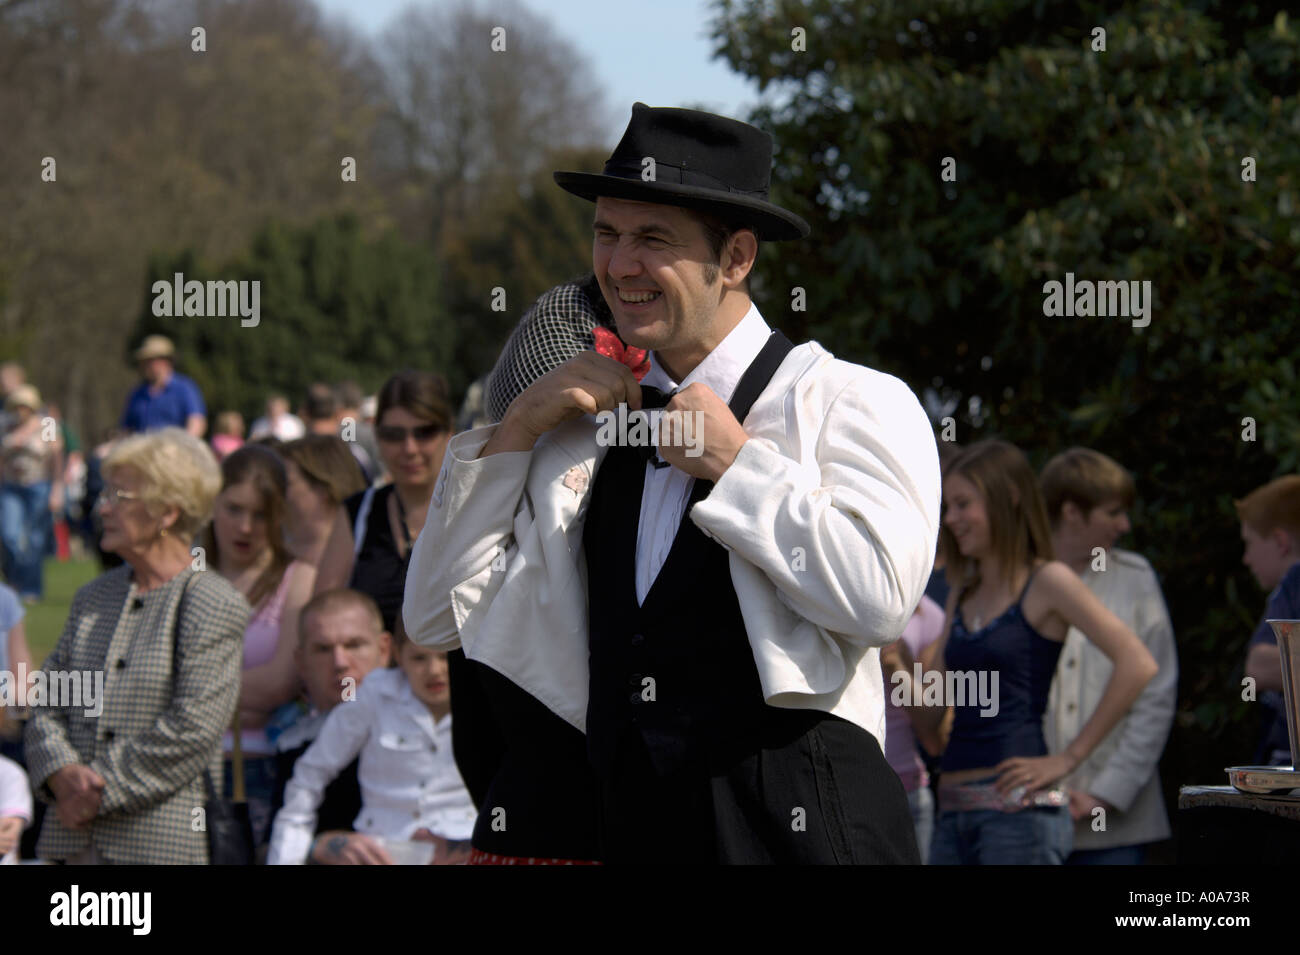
738, 587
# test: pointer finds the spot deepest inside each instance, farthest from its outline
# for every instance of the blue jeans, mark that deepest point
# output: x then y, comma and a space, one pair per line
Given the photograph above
921, 802
24, 530
1042, 835
1116, 855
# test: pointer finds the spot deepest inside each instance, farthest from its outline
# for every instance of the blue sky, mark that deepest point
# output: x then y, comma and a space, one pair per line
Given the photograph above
654, 51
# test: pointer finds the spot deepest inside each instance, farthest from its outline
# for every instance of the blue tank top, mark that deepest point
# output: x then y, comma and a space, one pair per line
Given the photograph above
1025, 661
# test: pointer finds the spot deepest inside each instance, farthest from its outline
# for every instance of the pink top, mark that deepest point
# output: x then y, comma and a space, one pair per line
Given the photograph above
225, 444
260, 640
923, 629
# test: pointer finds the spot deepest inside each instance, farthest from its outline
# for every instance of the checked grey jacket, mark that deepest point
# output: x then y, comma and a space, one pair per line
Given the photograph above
162, 720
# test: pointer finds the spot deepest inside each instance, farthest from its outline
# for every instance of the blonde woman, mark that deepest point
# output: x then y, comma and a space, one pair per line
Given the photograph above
124, 782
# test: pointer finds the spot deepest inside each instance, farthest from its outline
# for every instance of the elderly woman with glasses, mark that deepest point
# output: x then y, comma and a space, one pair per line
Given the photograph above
163, 638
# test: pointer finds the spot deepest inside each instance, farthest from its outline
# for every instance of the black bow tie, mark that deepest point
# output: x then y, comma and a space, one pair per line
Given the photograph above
653, 399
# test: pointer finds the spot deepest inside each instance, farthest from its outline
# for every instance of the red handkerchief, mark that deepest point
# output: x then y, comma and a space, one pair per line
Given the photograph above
611, 346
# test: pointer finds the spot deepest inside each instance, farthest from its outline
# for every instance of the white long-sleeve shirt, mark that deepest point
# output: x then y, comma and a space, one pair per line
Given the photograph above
829, 513
408, 775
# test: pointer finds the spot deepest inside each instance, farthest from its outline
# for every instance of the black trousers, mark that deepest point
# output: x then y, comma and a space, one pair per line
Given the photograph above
818, 793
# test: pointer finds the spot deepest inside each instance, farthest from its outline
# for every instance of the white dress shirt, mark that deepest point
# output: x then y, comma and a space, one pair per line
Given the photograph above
667, 490
408, 775
1122, 769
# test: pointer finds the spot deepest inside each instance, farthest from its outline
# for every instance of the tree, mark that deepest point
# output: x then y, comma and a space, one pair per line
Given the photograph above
523, 241
1127, 163
157, 147
334, 305
480, 96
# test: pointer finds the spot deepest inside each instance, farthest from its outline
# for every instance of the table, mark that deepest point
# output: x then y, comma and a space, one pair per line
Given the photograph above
1218, 825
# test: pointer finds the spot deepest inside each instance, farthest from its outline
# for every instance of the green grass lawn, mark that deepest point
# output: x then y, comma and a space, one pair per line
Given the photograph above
45, 620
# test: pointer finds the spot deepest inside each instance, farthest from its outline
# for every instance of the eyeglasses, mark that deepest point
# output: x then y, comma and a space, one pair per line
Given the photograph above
115, 495
391, 434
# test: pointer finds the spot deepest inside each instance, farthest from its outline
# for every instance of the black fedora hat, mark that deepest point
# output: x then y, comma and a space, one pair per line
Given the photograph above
701, 161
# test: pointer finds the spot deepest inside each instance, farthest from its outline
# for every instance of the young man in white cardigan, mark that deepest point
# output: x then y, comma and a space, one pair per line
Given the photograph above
709, 611
1115, 796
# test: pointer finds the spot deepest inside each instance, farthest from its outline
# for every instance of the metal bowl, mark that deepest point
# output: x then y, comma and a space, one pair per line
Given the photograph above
1263, 780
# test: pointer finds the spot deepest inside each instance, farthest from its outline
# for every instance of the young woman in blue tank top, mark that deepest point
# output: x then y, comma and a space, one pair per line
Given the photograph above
1008, 612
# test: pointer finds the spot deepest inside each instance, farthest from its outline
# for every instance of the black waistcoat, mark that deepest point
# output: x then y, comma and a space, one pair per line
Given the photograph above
704, 708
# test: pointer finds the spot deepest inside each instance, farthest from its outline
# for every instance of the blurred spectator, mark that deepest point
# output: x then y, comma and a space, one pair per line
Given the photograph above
400, 726
74, 489
245, 544
278, 421
91, 518
901, 734
472, 413
323, 415
361, 428
15, 809
125, 781
341, 640
228, 434
165, 398
370, 545
1270, 529
12, 377
320, 410
32, 490
1087, 496
937, 587
15, 658
322, 475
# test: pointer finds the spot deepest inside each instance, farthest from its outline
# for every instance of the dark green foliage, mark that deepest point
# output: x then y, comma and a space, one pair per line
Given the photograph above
334, 305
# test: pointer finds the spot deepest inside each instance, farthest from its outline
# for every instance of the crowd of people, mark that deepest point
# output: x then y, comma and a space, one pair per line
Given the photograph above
289, 618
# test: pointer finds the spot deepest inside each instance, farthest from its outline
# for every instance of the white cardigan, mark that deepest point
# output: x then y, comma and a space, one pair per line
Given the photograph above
830, 513
1123, 768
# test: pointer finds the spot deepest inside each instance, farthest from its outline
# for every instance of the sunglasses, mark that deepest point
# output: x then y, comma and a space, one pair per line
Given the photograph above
392, 434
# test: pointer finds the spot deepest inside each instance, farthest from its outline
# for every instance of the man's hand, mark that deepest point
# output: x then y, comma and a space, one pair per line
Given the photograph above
11, 827
77, 790
348, 848
698, 433
586, 384
1082, 804
445, 852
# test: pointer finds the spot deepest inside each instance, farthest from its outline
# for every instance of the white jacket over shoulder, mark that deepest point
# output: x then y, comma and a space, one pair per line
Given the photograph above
830, 514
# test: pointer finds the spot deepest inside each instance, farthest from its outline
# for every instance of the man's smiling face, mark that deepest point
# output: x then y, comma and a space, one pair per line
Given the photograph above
650, 261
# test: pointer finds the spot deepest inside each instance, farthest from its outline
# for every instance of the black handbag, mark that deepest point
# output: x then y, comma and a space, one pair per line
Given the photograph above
229, 826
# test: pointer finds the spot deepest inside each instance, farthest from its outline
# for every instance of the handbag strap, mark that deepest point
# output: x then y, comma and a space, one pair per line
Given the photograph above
237, 761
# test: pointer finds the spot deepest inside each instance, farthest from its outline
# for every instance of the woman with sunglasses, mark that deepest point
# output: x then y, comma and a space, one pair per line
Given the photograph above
371, 542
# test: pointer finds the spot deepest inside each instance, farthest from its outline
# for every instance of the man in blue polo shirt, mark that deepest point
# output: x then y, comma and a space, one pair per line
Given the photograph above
164, 398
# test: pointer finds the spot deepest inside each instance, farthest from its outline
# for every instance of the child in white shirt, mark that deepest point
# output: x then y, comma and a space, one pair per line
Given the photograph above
15, 808
400, 723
